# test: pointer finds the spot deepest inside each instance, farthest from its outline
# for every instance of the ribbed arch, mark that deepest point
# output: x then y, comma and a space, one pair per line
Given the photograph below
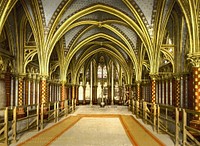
82, 61
96, 36
64, 27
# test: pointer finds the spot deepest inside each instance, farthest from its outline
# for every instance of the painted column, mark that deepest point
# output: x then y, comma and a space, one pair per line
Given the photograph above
177, 90
2, 91
37, 86
43, 92
164, 90
153, 88
91, 83
16, 90
120, 94
95, 94
66, 91
63, 93
20, 94
138, 90
73, 96
34, 89
12, 88
112, 85
84, 88
196, 83
7, 80
195, 122
76, 94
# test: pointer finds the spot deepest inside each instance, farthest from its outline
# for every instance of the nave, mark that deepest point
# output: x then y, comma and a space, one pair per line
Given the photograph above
141, 54
96, 126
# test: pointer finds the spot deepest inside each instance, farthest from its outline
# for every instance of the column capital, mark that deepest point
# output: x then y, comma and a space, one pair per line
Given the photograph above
138, 82
43, 77
177, 76
194, 59
34, 76
154, 76
21, 76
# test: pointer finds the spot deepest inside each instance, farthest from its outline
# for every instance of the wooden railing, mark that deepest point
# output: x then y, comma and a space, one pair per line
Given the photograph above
4, 127
190, 132
176, 122
27, 120
168, 116
38, 116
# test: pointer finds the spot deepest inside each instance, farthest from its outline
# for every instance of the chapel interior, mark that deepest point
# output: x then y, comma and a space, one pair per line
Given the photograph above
141, 54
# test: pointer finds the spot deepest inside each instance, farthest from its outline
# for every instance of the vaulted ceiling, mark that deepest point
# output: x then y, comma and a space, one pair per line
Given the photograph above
63, 35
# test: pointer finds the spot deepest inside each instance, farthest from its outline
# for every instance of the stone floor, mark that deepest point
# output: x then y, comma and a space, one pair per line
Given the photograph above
103, 134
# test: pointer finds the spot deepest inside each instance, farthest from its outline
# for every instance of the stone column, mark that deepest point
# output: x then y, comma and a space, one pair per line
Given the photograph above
34, 89
153, 88
138, 90
73, 97
7, 80
77, 99
112, 85
43, 92
196, 83
2, 91
63, 93
84, 88
195, 122
91, 83
109, 87
177, 90
12, 88
37, 86
164, 90
95, 94
16, 90
120, 94
20, 94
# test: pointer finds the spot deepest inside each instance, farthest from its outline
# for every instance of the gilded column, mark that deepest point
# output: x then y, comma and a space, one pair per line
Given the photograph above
195, 123
7, 80
12, 92
16, 90
37, 86
120, 94
76, 94
73, 96
34, 89
43, 87
164, 90
196, 83
84, 88
66, 92
153, 88
138, 90
177, 90
63, 93
20, 94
